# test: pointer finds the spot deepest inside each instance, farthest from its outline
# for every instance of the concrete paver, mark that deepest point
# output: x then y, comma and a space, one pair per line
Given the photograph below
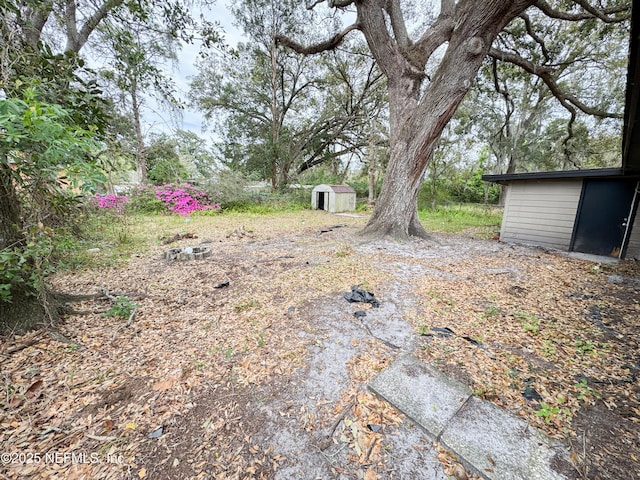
427, 396
487, 439
499, 445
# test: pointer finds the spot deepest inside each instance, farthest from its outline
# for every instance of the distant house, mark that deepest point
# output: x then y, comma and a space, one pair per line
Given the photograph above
589, 211
333, 198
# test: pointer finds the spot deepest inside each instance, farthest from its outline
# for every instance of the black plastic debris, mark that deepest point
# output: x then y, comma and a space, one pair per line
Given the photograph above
329, 229
222, 284
374, 428
474, 342
156, 433
441, 332
357, 295
530, 394
359, 314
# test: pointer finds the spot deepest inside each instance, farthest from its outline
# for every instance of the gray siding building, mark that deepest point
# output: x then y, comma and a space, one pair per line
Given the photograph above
589, 211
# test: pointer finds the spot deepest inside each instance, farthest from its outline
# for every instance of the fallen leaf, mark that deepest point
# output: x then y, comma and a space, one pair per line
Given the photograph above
107, 426
31, 391
460, 472
370, 474
142, 472
163, 385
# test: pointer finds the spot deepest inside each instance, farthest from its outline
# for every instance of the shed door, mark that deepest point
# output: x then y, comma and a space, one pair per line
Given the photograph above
321, 200
602, 217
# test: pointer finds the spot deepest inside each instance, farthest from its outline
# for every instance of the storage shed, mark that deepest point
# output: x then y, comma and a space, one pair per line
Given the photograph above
333, 198
589, 211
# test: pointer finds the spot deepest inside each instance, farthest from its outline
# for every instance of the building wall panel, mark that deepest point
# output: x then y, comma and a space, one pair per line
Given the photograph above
541, 213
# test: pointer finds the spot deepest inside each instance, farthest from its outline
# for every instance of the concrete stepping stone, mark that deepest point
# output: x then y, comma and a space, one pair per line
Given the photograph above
487, 439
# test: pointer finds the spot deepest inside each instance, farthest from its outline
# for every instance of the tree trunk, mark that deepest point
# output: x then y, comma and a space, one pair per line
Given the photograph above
372, 181
141, 154
276, 168
25, 312
27, 309
396, 212
373, 168
417, 121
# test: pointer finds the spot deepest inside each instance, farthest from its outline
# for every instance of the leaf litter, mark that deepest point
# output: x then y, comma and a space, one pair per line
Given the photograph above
212, 382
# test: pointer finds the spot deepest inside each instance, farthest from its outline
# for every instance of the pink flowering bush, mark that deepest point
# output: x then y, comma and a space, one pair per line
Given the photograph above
110, 202
185, 199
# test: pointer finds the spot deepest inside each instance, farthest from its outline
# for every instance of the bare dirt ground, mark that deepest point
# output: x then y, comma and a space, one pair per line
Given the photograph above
266, 377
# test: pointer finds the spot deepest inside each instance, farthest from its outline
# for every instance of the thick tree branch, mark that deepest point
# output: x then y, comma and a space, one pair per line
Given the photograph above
604, 14
340, 3
607, 15
316, 160
438, 34
311, 6
545, 73
329, 44
34, 21
70, 21
77, 39
536, 38
397, 23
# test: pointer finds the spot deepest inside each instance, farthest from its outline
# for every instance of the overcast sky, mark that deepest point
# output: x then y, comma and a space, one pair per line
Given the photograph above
158, 120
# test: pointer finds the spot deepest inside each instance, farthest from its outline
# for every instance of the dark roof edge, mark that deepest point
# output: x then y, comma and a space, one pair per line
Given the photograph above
563, 174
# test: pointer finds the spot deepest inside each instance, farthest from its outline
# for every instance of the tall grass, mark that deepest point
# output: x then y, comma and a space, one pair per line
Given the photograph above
481, 220
119, 236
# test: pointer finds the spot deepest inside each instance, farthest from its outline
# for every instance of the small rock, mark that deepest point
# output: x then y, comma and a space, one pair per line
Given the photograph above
93, 250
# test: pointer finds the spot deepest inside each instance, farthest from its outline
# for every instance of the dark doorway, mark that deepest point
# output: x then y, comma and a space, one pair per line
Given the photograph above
604, 212
320, 202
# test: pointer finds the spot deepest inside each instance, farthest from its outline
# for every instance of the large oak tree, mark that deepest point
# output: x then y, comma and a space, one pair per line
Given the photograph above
423, 100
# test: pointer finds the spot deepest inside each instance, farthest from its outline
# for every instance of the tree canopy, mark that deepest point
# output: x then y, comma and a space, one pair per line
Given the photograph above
431, 63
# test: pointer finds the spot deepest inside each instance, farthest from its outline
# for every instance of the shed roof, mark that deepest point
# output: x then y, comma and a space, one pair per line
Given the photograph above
556, 175
342, 189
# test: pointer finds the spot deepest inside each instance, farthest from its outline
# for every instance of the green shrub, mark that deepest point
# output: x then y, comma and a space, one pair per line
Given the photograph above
143, 199
122, 308
229, 188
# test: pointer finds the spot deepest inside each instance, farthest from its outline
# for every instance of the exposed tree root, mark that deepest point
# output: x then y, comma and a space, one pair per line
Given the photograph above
24, 314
